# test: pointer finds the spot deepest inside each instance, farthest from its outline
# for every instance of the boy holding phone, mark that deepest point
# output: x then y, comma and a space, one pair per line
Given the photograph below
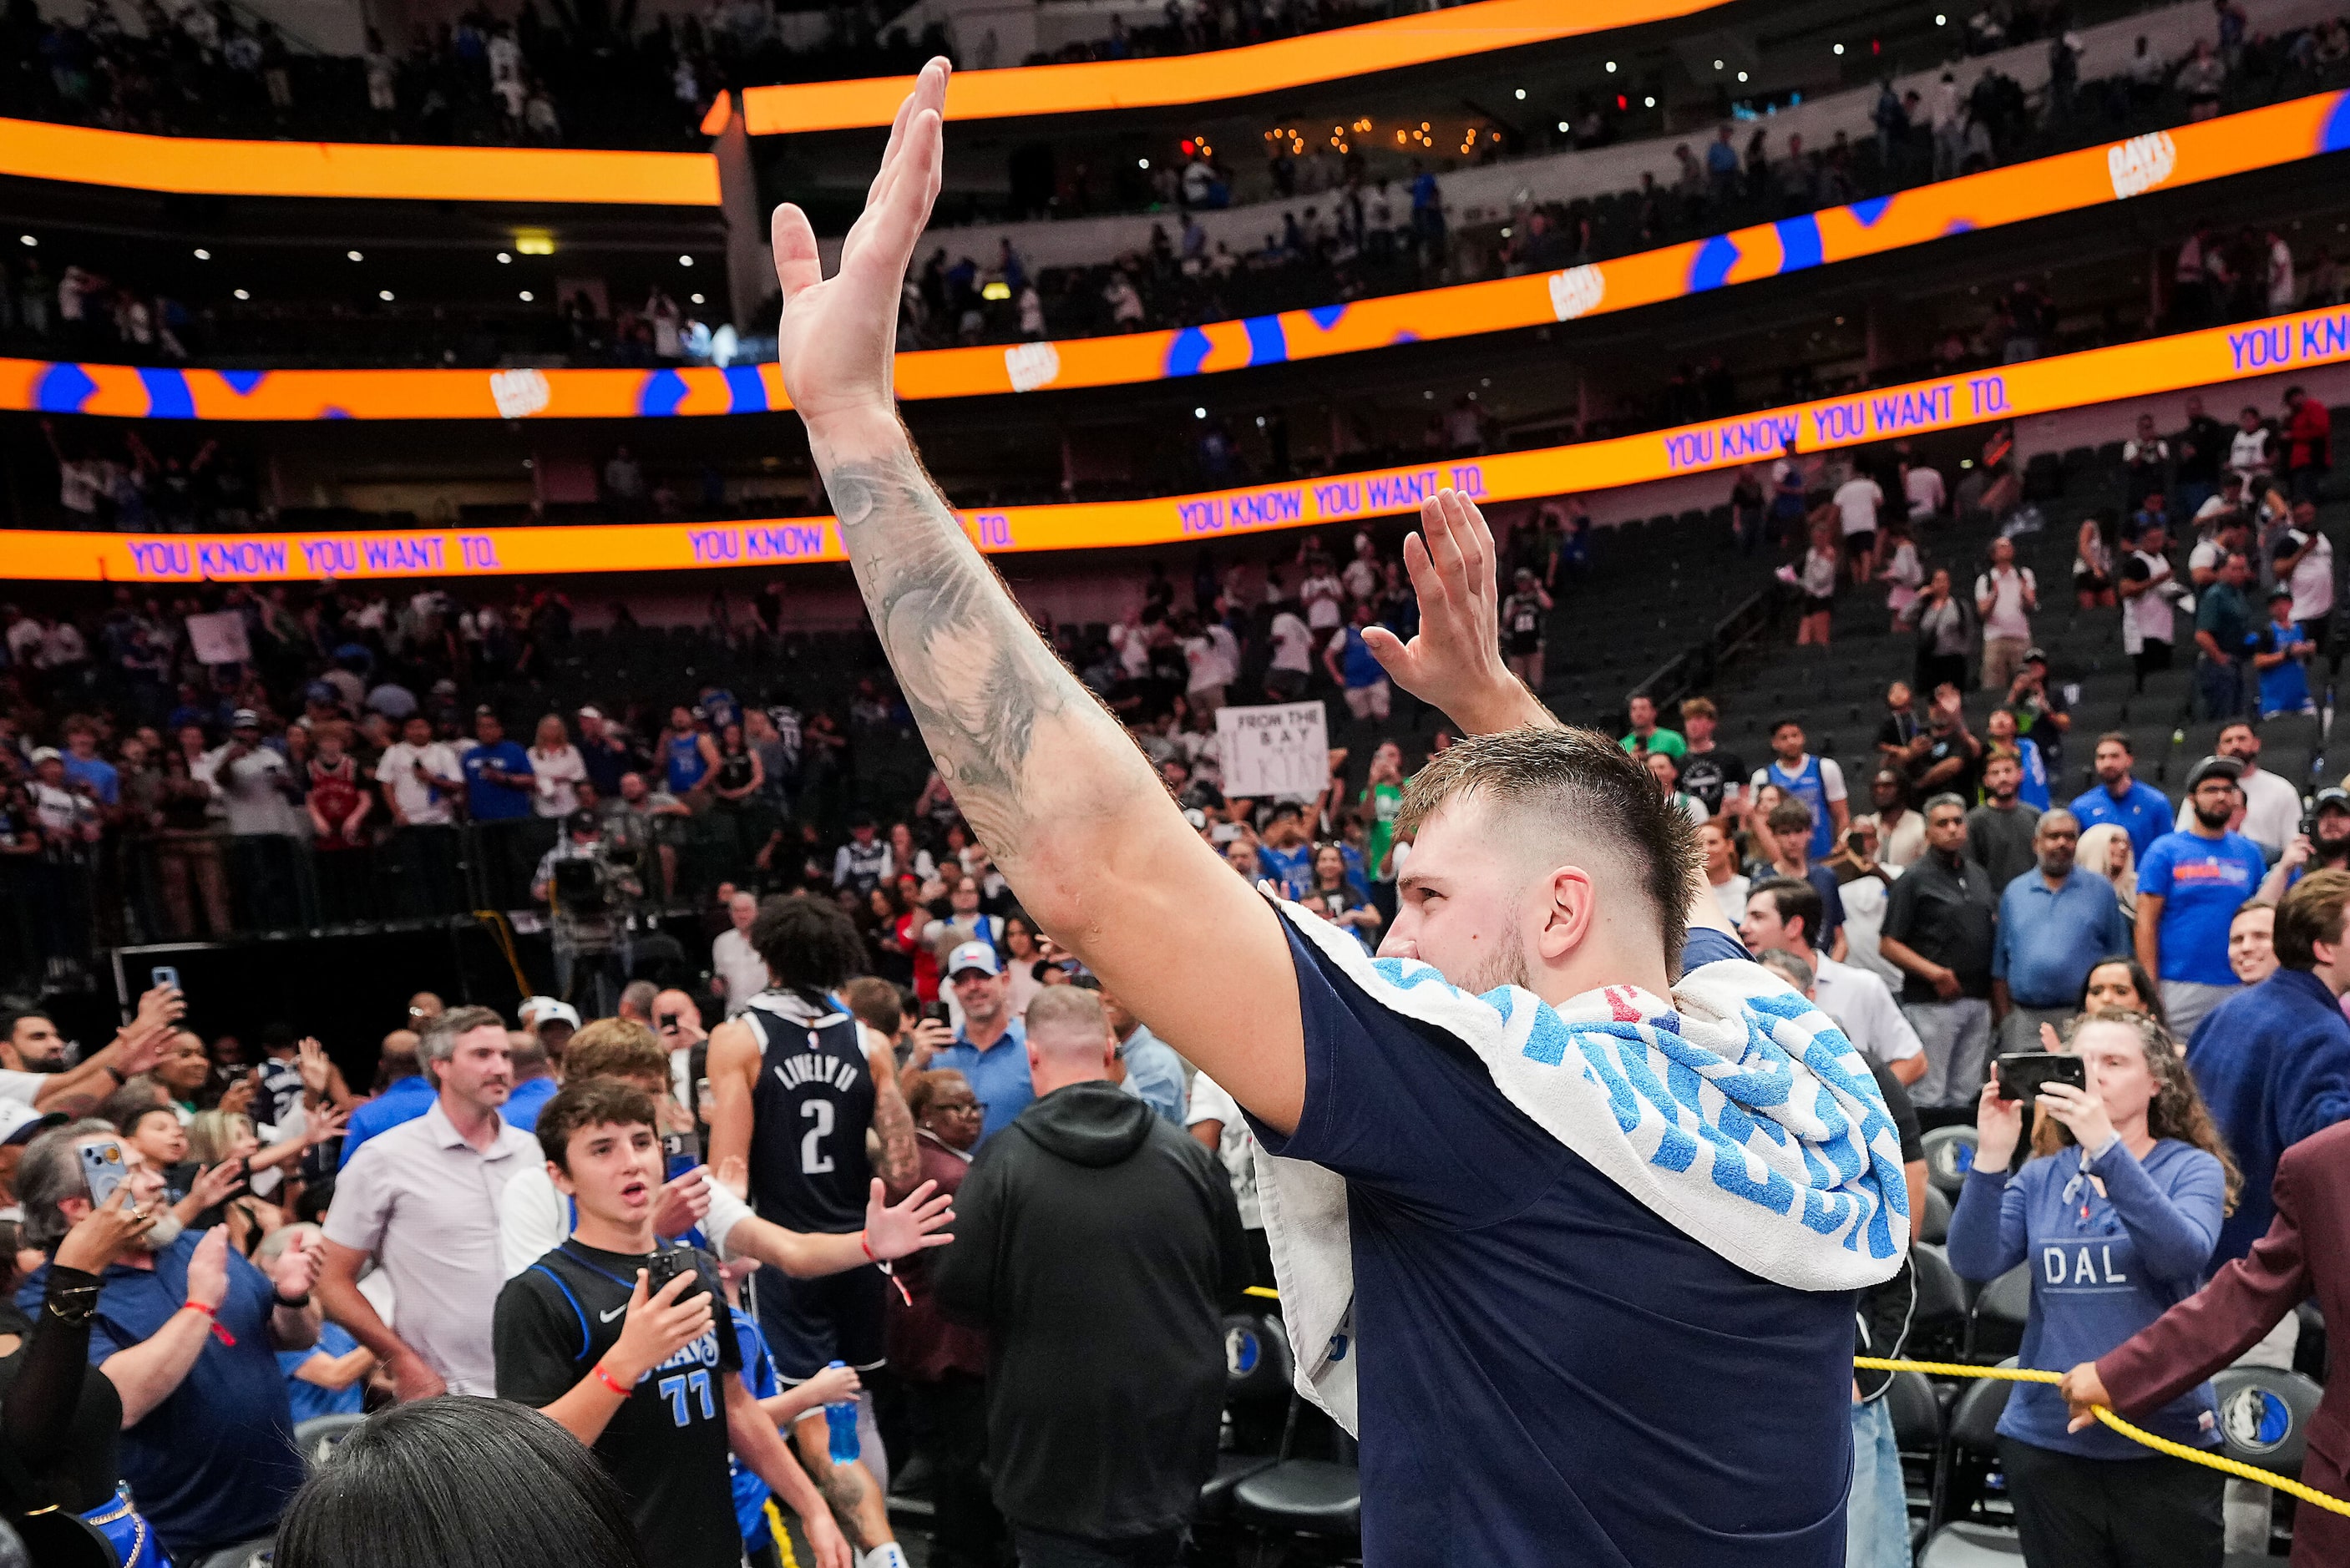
617, 1342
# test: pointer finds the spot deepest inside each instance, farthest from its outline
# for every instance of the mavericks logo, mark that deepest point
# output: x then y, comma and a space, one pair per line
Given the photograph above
1576, 292
2141, 163
518, 393
1032, 365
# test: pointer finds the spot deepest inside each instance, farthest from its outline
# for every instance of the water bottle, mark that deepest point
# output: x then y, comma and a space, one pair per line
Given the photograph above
840, 1421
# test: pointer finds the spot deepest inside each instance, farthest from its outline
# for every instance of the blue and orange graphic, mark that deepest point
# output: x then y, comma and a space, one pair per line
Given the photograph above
2278, 135
2209, 358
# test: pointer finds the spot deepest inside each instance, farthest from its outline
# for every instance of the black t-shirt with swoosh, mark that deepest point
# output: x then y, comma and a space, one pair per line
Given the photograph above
666, 1448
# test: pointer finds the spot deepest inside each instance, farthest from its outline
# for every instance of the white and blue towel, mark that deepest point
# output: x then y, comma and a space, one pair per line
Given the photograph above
1737, 1112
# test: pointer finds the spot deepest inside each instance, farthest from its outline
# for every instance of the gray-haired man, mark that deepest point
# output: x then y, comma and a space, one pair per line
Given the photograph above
421, 1201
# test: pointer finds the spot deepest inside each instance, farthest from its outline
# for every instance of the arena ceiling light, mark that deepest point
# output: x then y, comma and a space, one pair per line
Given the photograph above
202, 254
533, 242
354, 255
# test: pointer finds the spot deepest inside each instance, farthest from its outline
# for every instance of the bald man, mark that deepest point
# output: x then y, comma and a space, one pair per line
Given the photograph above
1098, 1247
404, 1093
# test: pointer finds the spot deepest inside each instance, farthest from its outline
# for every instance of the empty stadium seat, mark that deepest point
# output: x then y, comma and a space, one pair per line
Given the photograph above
1970, 1451
1949, 1155
1995, 1326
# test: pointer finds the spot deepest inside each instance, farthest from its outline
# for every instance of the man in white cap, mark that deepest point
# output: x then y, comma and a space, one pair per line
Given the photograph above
547, 1025
991, 1050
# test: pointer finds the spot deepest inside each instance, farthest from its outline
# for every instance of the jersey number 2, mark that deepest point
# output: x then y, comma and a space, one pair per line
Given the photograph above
814, 1161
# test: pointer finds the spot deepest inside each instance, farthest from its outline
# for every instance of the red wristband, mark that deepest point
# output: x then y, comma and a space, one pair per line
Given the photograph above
866, 1247
220, 1330
608, 1381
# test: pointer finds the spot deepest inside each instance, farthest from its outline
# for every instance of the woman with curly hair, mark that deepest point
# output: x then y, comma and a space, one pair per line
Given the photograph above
2115, 1214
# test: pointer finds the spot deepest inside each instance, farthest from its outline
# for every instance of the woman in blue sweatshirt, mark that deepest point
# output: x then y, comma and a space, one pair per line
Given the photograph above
2115, 1213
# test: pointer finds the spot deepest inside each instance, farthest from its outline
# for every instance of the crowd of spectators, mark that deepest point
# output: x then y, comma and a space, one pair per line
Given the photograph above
889, 961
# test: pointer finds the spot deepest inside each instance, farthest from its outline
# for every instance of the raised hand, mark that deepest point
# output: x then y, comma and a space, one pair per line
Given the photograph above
894, 1230
208, 1268
214, 1184
835, 345
317, 1069
683, 1202
297, 1268
1455, 662
658, 1326
105, 1233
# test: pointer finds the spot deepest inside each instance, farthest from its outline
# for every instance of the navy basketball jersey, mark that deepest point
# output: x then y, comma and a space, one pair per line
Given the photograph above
809, 1116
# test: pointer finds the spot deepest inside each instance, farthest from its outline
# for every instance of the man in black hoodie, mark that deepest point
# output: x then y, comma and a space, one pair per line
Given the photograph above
1098, 1246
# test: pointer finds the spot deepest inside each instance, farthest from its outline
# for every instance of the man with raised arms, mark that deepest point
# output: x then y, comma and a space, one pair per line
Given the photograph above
1575, 1256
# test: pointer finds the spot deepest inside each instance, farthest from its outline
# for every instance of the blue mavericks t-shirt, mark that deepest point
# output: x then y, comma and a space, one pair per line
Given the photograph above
2034, 791
486, 801
1292, 868
1559, 1376
215, 1463
2284, 687
2200, 881
308, 1399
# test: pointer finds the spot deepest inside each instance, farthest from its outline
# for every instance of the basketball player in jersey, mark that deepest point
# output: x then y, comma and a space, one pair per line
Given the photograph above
796, 1092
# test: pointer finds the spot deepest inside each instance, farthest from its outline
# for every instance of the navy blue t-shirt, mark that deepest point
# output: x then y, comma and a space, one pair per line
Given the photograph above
1556, 1376
215, 1463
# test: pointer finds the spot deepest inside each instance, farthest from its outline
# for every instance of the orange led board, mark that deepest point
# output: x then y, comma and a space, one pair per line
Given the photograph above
2073, 182
2212, 357
1422, 38
36, 149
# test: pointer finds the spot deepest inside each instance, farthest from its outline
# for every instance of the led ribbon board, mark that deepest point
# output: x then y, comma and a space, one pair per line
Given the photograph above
1423, 38
2236, 144
2219, 354
78, 154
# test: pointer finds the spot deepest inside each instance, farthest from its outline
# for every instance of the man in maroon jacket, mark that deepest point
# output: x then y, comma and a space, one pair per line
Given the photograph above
2306, 1252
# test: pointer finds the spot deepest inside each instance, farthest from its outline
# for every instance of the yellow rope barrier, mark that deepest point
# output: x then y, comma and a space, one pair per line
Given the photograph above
2221, 1462
2136, 1434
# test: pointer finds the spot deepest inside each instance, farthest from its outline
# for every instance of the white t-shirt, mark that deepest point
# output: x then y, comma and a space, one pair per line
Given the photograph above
738, 964
2247, 453
1293, 643
1729, 897
1361, 578
1858, 499
419, 801
1322, 595
2313, 580
2147, 616
23, 1086
2272, 810
1864, 899
2005, 589
1926, 492
1859, 999
250, 789
1209, 1103
555, 779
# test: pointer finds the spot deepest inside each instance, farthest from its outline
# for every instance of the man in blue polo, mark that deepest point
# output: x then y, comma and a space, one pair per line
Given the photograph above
2138, 809
2056, 922
2189, 885
992, 1049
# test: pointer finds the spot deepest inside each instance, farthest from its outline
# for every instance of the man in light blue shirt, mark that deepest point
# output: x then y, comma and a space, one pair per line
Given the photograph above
1154, 1074
991, 1050
2055, 924
2138, 809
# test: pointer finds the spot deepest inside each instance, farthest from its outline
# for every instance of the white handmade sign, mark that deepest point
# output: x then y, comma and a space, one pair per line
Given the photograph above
1279, 751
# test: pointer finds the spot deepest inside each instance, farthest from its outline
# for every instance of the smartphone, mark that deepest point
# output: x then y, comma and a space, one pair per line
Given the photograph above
936, 1011
2024, 1073
670, 1021
103, 1167
164, 975
666, 1265
681, 1152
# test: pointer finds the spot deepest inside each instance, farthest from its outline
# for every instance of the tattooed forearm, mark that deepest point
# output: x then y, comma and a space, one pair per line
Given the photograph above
893, 1128
977, 677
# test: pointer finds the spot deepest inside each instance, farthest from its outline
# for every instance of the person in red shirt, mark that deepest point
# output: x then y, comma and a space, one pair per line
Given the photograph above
339, 802
2308, 436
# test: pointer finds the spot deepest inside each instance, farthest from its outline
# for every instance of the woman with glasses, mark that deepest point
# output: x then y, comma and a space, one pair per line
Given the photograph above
944, 1363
